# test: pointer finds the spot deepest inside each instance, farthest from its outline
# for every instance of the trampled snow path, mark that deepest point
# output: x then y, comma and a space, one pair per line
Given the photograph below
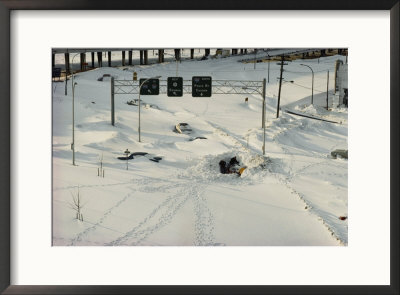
293, 173
80, 236
166, 211
204, 224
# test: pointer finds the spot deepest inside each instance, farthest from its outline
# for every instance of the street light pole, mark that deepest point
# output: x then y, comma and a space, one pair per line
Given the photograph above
140, 87
263, 94
73, 110
312, 83
263, 117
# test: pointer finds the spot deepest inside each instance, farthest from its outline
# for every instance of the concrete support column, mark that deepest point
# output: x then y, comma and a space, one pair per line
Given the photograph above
123, 58
83, 60
141, 57
99, 59
67, 66
92, 55
160, 55
146, 57
130, 57
109, 58
191, 53
245, 51
241, 51
177, 54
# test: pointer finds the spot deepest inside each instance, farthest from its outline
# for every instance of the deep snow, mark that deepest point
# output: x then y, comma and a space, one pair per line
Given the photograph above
292, 196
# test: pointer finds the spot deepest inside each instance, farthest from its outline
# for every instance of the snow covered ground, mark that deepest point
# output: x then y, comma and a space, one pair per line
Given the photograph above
292, 196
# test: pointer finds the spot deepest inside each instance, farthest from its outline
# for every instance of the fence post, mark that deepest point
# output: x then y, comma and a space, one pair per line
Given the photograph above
112, 102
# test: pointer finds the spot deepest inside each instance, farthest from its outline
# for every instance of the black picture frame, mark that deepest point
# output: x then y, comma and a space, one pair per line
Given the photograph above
6, 6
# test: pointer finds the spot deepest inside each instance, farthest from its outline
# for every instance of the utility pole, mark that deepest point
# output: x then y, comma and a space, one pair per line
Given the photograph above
327, 87
269, 62
264, 86
280, 86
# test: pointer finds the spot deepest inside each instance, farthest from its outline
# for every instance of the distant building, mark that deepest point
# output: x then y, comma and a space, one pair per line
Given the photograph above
341, 80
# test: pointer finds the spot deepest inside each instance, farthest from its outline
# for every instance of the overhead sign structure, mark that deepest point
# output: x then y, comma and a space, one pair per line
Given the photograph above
201, 86
150, 87
175, 86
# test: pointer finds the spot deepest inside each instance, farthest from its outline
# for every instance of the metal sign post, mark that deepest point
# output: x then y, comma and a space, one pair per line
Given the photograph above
127, 152
150, 86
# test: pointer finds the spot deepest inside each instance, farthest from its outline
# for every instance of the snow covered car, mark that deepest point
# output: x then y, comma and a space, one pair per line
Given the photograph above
183, 128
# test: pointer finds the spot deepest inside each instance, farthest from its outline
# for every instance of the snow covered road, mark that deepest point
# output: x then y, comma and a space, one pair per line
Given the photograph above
294, 196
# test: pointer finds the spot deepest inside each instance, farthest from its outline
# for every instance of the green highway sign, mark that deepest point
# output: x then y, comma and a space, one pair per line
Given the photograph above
150, 87
175, 86
201, 86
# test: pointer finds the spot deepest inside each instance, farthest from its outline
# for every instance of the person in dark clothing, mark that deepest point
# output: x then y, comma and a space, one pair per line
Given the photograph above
232, 167
222, 167
233, 162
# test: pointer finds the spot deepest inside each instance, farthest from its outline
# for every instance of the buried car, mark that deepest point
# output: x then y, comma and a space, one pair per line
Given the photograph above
143, 154
184, 128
